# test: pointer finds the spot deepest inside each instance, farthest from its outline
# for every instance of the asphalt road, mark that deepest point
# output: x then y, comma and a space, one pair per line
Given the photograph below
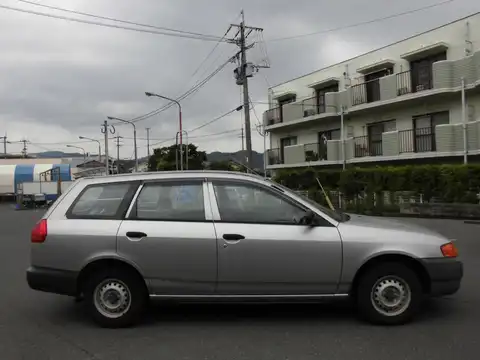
41, 326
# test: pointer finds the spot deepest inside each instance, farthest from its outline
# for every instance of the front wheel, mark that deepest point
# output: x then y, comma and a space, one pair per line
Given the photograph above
115, 297
389, 294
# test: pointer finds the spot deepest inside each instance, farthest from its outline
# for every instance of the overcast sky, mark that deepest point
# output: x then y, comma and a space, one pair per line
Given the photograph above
60, 79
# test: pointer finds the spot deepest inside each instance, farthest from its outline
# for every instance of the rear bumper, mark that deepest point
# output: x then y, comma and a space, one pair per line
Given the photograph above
52, 281
445, 275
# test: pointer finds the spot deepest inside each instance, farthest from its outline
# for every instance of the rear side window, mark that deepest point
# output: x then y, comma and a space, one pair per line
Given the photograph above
179, 201
103, 201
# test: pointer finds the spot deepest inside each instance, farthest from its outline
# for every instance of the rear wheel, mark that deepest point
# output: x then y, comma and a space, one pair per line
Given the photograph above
115, 297
389, 293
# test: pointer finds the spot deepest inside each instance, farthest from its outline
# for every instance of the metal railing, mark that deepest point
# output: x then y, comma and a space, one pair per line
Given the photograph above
367, 147
417, 140
366, 92
405, 84
273, 116
274, 157
311, 107
315, 152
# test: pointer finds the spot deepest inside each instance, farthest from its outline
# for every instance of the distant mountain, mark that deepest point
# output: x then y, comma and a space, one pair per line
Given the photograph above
238, 156
215, 156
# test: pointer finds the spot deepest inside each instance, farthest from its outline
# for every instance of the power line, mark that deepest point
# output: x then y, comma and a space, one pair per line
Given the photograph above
216, 119
362, 23
120, 21
196, 37
193, 90
198, 136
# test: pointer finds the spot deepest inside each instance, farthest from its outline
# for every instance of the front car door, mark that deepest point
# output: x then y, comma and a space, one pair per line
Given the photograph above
169, 235
262, 247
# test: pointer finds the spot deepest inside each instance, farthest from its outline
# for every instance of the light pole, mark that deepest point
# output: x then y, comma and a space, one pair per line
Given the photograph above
84, 152
99, 146
134, 137
180, 129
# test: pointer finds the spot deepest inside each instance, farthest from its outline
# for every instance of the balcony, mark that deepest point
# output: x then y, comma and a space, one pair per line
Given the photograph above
315, 152
417, 140
274, 157
404, 84
272, 116
363, 147
366, 92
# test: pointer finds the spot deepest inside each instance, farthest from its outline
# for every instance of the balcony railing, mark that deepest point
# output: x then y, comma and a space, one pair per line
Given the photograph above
406, 85
417, 140
366, 92
367, 147
273, 116
311, 107
315, 152
274, 157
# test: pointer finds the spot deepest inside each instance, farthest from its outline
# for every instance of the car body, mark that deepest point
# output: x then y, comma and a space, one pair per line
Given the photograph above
118, 240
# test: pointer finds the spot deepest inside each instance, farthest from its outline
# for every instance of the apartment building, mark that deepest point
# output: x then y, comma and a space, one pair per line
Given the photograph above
400, 103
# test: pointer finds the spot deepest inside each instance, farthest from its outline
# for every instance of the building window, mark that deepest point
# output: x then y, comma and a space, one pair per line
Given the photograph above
421, 71
424, 130
375, 137
372, 84
320, 97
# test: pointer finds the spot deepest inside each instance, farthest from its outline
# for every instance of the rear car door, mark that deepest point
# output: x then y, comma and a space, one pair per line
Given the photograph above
262, 247
169, 235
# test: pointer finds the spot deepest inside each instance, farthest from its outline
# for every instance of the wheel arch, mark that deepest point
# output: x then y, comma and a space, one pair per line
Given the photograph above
402, 258
99, 264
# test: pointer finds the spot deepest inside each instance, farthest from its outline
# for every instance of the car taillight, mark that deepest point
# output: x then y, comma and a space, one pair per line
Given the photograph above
449, 250
39, 232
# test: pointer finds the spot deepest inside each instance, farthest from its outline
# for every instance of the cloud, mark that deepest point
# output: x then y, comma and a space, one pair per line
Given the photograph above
59, 79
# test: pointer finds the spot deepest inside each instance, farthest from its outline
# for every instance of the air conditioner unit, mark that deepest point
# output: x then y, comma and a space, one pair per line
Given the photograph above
420, 87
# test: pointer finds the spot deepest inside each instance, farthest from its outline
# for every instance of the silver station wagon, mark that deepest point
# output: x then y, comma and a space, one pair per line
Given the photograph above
117, 241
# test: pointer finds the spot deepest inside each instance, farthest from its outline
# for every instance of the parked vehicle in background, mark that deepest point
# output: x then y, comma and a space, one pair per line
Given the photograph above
119, 240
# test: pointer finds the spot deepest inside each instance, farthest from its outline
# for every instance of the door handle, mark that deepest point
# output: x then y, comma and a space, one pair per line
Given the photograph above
233, 237
136, 235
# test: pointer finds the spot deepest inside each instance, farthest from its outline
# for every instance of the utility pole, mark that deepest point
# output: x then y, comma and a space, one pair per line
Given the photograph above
4, 145
24, 150
148, 143
117, 138
105, 130
243, 73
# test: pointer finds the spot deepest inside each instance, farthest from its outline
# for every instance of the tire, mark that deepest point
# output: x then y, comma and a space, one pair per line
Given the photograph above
127, 302
389, 294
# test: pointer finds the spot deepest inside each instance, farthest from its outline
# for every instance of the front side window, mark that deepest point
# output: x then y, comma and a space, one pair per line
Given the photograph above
170, 202
100, 201
248, 203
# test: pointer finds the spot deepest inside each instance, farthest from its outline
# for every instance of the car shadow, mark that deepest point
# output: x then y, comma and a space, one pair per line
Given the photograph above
166, 313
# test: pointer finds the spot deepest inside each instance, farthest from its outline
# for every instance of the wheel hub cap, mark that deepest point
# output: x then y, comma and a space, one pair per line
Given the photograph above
112, 298
391, 296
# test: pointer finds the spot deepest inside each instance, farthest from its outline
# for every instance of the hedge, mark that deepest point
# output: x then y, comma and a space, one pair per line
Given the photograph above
451, 183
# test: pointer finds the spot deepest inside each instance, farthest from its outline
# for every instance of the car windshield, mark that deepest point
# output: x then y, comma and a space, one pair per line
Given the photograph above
334, 214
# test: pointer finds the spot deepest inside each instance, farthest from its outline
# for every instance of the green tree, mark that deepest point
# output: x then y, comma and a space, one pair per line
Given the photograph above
163, 159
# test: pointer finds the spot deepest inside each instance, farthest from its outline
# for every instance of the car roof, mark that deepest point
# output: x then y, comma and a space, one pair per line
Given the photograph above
165, 175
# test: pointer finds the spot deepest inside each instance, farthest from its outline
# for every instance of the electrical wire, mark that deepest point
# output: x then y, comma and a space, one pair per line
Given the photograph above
362, 23
195, 37
197, 137
190, 92
214, 120
118, 20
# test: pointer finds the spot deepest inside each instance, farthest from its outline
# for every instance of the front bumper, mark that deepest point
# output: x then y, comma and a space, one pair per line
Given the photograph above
52, 281
445, 275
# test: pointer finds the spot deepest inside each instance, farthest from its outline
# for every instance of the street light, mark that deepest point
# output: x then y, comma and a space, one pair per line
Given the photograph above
84, 152
99, 146
180, 130
134, 137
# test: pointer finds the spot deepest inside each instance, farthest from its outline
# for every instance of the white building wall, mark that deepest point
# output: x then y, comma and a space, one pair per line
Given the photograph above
403, 117
453, 34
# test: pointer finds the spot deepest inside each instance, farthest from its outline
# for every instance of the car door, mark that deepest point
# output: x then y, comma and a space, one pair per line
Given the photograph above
169, 235
262, 247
